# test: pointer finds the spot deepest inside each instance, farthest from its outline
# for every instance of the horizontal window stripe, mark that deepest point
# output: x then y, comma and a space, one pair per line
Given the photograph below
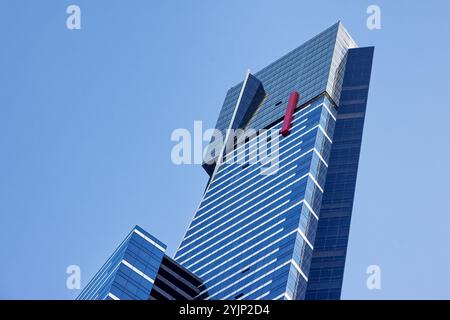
237, 247
139, 272
241, 279
237, 255
216, 213
149, 240
229, 220
225, 165
257, 279
246, 196
258, 179
248, 249
256, 290
222, 280
263, 295
250, 193
249, 172
274, 127
113, 296
236, 231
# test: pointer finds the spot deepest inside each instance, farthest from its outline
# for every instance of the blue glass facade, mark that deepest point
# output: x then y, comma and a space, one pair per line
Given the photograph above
130, 272
284, 235
252, 236
273, 222
327, 268
315, 67
139, 270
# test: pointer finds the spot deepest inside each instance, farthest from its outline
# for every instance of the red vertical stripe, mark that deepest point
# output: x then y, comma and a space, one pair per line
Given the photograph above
292, 104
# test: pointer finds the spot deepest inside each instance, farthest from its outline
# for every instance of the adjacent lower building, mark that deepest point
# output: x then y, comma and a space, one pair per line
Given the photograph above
274, 219
140, 270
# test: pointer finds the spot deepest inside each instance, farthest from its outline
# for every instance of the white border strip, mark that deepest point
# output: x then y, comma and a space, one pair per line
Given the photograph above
139, 272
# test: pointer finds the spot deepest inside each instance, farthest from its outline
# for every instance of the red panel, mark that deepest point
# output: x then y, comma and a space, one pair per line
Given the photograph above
292, 104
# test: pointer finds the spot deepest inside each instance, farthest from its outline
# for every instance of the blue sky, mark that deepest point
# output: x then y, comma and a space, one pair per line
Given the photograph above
86, 117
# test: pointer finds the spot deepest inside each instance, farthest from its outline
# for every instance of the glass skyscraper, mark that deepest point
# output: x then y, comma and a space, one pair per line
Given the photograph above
274, 219
284, 235
139, 270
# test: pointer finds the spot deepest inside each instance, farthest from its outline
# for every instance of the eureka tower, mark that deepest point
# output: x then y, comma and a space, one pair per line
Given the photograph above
282, 234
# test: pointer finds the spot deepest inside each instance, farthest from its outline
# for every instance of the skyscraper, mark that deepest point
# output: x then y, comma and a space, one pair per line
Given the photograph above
274, 220
140, 270
278, 229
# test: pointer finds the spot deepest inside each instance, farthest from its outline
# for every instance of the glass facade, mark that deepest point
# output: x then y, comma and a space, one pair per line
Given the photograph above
131, 270
284, 235
174, 282
313, 68
139, 270
327, 268
253, 232
274, 220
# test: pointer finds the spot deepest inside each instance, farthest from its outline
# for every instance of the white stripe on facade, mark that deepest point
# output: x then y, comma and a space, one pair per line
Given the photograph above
325, 134
331, 114
219, 159
112, 296
233, 249
232, 218
263, 295
246, 233
258, 178
248, 173
284, 295
297, 267
252, 140
247, 249
139, 272
100, 282
256, 280
233, 225
253, 191
320, 157
213, 186
94, 283
235, 273
279, 124
242, 279
240, 253
209, 210
255, 290
253, 148
310, 209
295, 118
149, 240
315, 182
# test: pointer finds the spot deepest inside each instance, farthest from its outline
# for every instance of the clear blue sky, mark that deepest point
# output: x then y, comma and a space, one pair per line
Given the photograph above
86, 117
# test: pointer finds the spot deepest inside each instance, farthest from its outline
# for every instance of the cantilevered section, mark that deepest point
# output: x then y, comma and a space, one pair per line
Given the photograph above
251, 95
315, 67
